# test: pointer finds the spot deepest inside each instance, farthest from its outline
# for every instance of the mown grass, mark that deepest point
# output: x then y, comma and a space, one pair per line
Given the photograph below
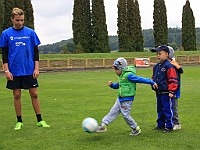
69, 97
112, 55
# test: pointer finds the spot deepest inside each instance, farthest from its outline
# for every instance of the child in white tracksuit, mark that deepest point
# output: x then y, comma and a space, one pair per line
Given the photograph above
179, 69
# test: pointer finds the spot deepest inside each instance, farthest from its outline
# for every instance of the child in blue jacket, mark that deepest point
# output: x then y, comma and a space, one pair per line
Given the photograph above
165, 75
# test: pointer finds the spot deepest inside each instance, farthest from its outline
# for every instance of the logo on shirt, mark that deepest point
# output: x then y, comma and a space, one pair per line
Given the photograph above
21, 37
18, 38
163, 69
20, 43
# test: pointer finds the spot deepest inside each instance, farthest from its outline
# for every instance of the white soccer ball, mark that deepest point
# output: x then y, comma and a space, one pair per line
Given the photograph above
89, 125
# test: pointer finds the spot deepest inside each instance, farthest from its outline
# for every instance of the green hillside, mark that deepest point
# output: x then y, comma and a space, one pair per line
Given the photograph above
174, 38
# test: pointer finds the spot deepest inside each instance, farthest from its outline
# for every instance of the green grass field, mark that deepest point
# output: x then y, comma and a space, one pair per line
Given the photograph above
111, 55
67, 98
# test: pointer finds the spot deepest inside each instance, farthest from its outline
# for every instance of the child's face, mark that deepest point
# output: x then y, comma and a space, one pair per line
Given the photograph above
162, 55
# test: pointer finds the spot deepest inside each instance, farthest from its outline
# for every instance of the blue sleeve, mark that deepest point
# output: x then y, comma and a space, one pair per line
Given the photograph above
3, 40
138, 79
35, 39
115, 85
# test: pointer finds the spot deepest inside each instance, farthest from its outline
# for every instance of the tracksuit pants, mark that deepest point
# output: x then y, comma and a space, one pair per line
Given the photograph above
120, 107
165, 111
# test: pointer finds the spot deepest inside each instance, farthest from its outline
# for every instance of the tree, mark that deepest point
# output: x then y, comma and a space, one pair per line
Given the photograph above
70, 47
148, 37
76, 23
81, 24
79, 49
28, 10
188, 28
131, 24
100, 39
1, 16
8, 6
64, 49
87, 45
160, 23
139, 39
174, 35
19, 4
122, 27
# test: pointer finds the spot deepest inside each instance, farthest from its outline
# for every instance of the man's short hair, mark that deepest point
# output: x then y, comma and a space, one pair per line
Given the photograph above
16, 11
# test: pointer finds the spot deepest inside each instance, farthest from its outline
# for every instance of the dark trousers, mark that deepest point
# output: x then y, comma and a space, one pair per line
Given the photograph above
165, 111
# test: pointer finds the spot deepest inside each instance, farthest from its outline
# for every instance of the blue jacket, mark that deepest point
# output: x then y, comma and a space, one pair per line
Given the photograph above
165, 75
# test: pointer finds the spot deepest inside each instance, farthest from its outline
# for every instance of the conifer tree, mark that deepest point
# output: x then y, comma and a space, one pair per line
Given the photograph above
77, 24
8, 6
160, 23
139, 39
131, 24
64, 49
81, 25
87, 43
79, 49
19, 4
188, 28
122, 27
28, 16
100, 39
1, 16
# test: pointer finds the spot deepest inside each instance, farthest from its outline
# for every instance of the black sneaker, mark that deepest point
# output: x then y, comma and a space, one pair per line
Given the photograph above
158, 128
167, 130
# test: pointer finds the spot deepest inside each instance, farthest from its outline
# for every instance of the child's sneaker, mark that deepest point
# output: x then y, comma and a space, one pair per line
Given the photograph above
18, 125
101, 128
177, 127
43, 124
167, 130
136, 131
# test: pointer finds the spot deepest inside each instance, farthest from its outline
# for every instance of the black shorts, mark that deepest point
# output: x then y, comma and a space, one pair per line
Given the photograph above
22, 82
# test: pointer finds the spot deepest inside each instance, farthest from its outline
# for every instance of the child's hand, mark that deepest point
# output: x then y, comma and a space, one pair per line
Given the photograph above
109, 83
171, 95
155, 86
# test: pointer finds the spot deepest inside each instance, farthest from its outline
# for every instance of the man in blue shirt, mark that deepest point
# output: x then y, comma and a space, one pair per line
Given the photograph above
21, 64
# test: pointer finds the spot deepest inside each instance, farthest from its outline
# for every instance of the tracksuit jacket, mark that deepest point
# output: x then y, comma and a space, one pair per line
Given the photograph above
165, 75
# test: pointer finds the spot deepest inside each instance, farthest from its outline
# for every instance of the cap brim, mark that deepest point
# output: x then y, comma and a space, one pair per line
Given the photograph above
155, 49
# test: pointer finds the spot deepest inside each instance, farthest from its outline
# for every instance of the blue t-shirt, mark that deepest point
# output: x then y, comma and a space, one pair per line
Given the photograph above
20, 44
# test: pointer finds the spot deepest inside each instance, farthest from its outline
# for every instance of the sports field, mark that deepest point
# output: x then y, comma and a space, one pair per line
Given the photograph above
67, 98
